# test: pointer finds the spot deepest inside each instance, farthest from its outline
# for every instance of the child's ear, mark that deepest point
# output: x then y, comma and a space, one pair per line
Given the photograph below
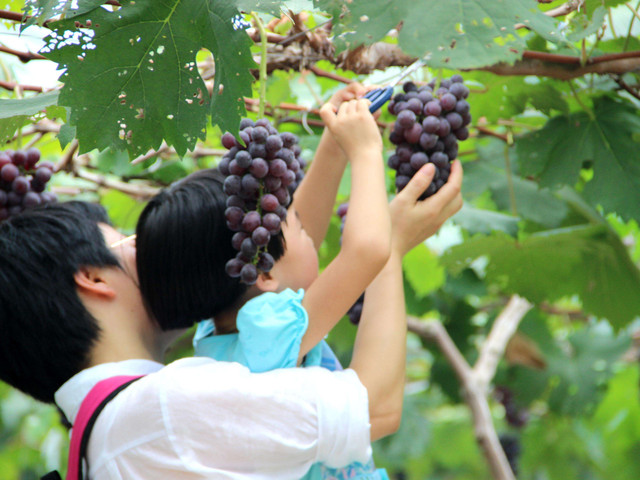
91, 281
267, 283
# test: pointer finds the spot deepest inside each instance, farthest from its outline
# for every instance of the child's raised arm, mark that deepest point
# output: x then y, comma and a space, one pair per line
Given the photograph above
379, 353
367, 232
315, 197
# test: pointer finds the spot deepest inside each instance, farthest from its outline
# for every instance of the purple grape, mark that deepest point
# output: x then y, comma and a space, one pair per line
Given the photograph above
454, 119
269, 202
250, 185
4, 159
271, 222
233, 267
418, 160
235, 201
401, 181
432, 108
223, 165
228, 140
448, 102
430, 124
406, 118
257, 150
265, 262
20, 185
243, 159
234, 215
232, 185
249, 274
439, 159
260, 236
251, 221
282, 194
19, 158
462, 133
277, 167
444, 128
428, 140
393, 161
272, 183
406, 169
235, 169
237, 239
273, 144
259, 167
31, 199
288, 139
248, 247
43, 174
412, 135
415, 105
259, 134
33, 156
462, 107
246, 122
9, 172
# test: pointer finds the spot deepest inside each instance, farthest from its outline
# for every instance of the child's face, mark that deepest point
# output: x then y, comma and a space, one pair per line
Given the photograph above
298, 267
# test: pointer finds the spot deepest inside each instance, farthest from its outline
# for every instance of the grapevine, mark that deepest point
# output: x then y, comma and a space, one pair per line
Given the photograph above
23, 179
429, 123
262, 171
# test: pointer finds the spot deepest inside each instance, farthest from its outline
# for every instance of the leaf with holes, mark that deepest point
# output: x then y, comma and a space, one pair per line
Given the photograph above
455, 34
131, 79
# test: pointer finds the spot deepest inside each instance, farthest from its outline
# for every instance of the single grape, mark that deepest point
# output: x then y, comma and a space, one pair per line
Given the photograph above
439, 159
261, 236
269, 202
273, 144
232, 185
20, 185
251, 221
9, 172
43, 174
246, 122
233, 267
248, 247
31, 199
271, 222
418, 160
234, 215
448, 102
277, 167
406, 118
430, 124
259, 167
288, 139
432, 108
265, 262
412, 135
249, 274
454, 119
462, 133
237, 239
19, 158
228, 140
428, 140
415, 105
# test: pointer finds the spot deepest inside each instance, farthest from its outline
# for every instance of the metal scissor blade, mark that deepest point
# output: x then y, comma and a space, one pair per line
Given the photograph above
380, 96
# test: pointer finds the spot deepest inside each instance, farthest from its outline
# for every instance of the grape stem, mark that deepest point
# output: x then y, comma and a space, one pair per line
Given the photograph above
507, 167
263, 64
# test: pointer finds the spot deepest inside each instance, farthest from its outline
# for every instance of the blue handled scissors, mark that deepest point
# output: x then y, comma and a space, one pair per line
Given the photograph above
380, 96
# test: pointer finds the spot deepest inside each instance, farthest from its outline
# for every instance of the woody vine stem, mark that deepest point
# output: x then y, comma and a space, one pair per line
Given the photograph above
263, 64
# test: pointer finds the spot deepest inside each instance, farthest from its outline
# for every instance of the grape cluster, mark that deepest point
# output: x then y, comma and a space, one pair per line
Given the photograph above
514, 415
511, 446
262, 172
23, 179
427, 129
356, 309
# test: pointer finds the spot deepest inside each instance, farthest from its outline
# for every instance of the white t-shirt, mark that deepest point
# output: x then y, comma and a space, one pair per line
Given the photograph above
198, 418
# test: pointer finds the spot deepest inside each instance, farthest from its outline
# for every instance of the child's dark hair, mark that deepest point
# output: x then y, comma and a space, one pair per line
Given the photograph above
47, 333
183, 244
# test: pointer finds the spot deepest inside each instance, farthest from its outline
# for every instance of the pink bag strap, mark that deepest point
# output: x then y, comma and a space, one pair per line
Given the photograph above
101, 394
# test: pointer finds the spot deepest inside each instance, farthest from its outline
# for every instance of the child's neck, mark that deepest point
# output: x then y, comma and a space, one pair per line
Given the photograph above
225, 321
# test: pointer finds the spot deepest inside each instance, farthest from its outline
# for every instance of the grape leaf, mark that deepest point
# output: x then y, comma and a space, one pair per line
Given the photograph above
454, 34
557, 152
131, 80
583, 26
423, 271
10, 107
575, 374
475, 220
589, 261
274, 7
43, 10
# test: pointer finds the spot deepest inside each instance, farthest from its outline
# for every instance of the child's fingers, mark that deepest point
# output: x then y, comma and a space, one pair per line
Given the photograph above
419, 183
327, 114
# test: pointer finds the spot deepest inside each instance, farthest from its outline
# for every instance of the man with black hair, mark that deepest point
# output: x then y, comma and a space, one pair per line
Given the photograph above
71, 316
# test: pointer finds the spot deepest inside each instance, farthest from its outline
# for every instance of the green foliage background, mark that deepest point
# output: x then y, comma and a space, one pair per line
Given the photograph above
552, 175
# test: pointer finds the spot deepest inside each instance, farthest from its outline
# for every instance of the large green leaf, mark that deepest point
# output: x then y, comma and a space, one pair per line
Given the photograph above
131, 80
576, 372
43, 10
589, 261
557, 152
10, 107
423, 271
457, 33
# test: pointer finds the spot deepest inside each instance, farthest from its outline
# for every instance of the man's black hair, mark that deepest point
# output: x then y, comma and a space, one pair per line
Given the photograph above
182, 246
46, 332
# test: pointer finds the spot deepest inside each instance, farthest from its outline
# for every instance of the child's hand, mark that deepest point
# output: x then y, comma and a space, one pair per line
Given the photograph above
353, 91
353, 127
413, 221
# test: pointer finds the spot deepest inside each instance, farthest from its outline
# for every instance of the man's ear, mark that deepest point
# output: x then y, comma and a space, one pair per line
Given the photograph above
92, 281
267, 283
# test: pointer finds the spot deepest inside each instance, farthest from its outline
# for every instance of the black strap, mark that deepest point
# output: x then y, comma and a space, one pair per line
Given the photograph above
84, 442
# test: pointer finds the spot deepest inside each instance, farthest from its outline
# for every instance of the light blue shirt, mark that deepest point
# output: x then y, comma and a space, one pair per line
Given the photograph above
270, 330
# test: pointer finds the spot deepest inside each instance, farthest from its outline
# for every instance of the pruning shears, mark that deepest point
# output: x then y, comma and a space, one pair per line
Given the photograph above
380, 96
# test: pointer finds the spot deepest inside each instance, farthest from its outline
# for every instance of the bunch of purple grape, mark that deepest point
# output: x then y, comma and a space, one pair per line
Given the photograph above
262, 172
355, 311
23, 179
427, 129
